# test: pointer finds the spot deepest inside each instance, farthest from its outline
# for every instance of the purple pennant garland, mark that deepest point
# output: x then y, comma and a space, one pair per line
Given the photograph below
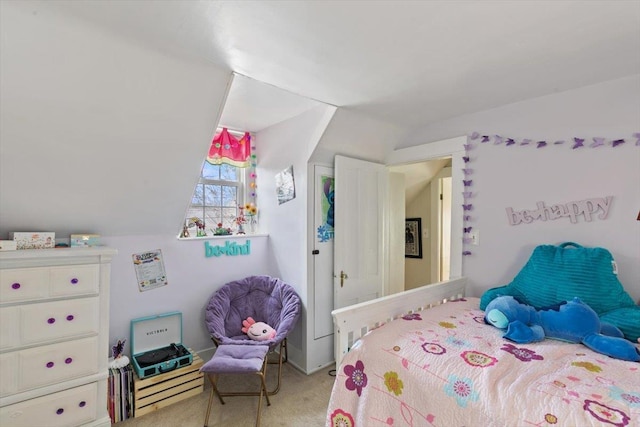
510, 141
578, 142
541, 144
617, 142
597, 142
467, 207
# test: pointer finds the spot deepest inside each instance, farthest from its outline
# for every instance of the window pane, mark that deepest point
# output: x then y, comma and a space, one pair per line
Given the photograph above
228, 173
229, 196
212, 217
210, 171
229, 216
213, 195
198, 197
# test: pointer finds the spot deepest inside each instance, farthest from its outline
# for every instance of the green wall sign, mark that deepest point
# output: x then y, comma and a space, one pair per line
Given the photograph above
229, 249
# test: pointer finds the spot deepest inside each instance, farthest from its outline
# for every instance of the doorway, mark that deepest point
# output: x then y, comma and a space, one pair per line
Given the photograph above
427, 186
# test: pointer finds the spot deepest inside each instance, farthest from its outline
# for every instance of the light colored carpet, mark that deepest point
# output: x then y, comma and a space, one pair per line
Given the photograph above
301, 402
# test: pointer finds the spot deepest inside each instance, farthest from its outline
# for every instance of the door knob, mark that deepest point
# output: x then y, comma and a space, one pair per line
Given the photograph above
343, 276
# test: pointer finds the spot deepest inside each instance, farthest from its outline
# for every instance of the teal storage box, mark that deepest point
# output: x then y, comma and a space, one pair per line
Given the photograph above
156, 344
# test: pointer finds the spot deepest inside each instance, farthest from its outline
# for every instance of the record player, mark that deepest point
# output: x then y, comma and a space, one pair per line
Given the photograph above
156, 344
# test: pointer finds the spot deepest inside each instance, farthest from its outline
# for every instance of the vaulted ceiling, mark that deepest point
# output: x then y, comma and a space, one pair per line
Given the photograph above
117, 100
409, 63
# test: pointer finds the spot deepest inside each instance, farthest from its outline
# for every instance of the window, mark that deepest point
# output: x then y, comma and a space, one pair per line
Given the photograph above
223, 187
219, 192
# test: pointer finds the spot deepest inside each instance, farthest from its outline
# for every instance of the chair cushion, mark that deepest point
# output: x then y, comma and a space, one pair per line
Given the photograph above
236, 359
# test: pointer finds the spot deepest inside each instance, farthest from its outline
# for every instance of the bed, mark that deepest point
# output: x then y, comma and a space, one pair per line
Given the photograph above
425, 357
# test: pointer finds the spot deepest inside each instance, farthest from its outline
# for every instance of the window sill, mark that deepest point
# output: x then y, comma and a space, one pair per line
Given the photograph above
226, 237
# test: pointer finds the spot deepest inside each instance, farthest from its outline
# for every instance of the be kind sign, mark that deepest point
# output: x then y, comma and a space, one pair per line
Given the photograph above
573, 210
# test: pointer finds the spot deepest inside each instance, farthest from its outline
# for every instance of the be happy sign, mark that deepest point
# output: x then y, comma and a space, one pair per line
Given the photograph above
587, 209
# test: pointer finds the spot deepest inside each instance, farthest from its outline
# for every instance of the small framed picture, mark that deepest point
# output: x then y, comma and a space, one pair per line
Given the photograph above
285, 185
413, 238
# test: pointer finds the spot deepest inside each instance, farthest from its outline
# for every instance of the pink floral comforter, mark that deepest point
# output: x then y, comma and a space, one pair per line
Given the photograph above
445, 367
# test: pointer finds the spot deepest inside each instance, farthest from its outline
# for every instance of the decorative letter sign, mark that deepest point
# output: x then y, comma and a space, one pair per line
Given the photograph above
229, 249
572, 210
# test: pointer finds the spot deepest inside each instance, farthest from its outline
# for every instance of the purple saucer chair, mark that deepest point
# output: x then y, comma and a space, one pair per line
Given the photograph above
265, 299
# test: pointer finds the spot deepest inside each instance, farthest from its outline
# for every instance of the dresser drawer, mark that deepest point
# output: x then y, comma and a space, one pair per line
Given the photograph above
66, 408
75, 280
24, 284
9, 327
49, 321
49, 364
30, 284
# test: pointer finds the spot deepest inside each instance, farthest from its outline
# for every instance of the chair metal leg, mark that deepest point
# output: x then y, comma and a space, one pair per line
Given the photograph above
214, 390
279, 362
263, 391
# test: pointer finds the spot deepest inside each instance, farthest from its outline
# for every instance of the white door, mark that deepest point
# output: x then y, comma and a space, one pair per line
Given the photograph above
445, 227
395, 248
360, 214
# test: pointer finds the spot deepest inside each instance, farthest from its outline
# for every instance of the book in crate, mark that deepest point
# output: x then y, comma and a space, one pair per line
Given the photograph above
120, 393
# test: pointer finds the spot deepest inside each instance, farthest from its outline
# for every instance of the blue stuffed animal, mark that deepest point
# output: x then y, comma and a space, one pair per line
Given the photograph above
572, 321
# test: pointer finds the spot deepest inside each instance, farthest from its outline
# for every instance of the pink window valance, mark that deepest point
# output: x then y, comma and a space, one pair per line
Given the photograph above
226, 148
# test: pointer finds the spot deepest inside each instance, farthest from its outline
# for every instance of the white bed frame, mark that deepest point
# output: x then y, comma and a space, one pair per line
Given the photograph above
352, 322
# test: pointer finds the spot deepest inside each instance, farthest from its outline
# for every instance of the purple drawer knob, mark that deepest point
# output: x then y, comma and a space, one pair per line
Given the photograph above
50, 365
51, 320
15, 286
82, 404
70, 317
74, 281
60, 411
68, 360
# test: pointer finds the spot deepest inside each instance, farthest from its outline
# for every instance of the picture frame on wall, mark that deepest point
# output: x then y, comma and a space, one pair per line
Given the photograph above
285, 185
413, 238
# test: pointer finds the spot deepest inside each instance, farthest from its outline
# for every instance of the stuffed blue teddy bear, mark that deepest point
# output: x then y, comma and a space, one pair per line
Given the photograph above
572, 321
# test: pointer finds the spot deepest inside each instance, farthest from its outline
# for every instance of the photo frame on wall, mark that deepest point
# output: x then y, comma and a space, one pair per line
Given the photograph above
413, 238
285, 185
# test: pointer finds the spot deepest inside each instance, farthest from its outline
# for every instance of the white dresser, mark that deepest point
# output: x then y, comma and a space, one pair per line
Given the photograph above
54, 333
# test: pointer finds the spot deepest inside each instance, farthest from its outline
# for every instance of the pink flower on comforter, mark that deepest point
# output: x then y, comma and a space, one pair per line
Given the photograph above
340, 418
357, 379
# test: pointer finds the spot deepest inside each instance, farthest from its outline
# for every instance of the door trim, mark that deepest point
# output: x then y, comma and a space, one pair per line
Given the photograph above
454, 148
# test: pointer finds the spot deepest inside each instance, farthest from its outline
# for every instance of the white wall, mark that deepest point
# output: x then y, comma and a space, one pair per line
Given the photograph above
97, 133
354, 135
192, 279
556, 174
519, 177
290, 143
418, 270
610, 108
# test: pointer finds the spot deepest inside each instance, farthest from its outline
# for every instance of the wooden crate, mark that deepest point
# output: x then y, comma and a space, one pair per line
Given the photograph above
163, 390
